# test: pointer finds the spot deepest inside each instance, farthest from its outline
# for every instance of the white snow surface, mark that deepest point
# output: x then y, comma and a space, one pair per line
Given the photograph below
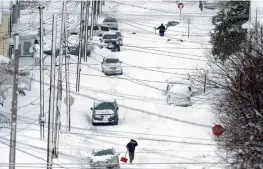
168, 136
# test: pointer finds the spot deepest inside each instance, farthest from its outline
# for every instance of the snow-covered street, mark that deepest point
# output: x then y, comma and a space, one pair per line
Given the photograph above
168, 136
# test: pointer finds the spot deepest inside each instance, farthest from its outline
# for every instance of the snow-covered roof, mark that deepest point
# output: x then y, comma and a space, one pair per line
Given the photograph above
111, 57
109, 33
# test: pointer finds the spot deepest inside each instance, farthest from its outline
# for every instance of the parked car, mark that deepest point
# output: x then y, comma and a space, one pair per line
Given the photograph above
111, 23
107, 158
183, 79
105, 112
108, 38
98, 30
179, 95
172, 23
111, 65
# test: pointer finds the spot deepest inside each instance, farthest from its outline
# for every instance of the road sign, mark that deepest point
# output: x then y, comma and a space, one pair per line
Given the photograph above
218, 130
180, 5
71, 100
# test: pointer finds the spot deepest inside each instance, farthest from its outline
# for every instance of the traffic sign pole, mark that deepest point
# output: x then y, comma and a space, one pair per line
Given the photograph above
180, 6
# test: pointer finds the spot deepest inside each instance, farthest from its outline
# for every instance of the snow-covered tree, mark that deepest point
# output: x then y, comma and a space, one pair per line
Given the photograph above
240, 107
228, 35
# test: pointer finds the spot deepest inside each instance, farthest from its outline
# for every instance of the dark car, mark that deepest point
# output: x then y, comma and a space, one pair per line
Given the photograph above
105, 112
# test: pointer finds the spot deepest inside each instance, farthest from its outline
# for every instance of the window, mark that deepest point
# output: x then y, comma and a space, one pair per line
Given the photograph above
105, 106
104, 152
112, 60
104, 28
110, 20
110, 36
26, 48
95, 28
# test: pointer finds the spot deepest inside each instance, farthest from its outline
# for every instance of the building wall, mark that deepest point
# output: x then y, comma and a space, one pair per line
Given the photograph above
4, 27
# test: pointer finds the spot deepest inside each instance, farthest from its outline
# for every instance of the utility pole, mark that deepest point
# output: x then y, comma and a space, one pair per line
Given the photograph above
42, 113
86, 31
59, 83
80, 46
67, 73
12, 152
50, 145
92, 19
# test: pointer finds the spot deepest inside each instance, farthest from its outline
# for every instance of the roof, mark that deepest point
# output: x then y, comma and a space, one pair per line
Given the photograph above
109, 33
178, 81
111, 57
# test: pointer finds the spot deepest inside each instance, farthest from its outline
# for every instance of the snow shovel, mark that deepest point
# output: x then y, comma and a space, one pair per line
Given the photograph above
124, 159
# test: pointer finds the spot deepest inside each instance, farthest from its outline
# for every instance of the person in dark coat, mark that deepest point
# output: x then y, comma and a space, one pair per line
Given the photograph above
161, 30
131, 148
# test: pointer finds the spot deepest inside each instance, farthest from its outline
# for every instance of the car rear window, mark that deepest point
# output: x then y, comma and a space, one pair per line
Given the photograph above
104, 28
104, 152
110, 20
105, 106
109, 60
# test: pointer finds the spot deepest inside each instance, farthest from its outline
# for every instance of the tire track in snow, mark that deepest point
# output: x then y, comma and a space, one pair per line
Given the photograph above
142, 111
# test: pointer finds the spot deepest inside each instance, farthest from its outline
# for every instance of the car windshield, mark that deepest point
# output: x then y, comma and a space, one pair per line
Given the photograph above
105, 106
104, 152
104, 28
112, 60
108, 36
110, 20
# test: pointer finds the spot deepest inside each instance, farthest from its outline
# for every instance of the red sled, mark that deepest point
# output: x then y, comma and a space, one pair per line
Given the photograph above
124, 159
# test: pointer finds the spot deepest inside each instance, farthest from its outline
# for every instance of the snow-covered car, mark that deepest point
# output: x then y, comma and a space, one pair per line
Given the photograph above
107, 158
98, 30
111, 65
109, 37
111, 23
105, 112
184, 80
179, 95
172, 23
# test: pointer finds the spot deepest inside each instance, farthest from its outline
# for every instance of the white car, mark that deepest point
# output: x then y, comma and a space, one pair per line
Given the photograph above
111, 65
179, 95
111, 23
109, 37
178, 80
107, 158
98, 30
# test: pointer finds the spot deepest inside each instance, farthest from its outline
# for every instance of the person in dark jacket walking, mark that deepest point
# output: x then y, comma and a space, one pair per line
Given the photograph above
131, 148
161, 30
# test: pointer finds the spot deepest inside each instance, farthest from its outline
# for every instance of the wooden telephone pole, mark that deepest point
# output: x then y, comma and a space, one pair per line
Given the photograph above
12, 152
50, 141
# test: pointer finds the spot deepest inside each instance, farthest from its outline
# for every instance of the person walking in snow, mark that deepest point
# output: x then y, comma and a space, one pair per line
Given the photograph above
131, 148
161, 30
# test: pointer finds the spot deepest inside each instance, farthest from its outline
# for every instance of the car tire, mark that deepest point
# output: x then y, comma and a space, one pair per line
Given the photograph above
121, 73
116, 122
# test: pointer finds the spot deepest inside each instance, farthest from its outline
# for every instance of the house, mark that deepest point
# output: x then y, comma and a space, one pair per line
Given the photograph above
27, 38
4, 33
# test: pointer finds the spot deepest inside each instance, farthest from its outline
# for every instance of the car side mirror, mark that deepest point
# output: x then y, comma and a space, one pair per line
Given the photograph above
100, 39
91, 108
117, 108
120, 61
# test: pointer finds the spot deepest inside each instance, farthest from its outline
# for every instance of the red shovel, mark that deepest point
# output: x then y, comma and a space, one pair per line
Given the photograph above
124, 159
